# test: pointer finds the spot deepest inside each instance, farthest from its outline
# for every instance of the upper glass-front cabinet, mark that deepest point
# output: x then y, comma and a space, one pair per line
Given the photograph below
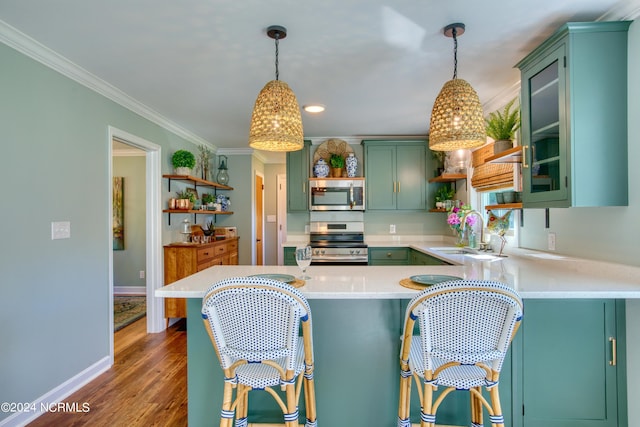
574, 117
544, 165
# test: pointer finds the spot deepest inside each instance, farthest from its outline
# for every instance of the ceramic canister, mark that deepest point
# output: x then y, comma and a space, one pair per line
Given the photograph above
352, 165
321, 168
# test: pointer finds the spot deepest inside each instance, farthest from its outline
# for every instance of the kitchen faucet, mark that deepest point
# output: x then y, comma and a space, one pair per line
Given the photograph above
464, 224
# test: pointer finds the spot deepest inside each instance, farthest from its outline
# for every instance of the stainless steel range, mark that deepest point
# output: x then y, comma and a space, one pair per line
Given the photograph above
338, 243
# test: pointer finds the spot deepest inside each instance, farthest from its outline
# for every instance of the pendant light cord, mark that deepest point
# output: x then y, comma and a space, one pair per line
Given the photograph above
455, 53
277, 36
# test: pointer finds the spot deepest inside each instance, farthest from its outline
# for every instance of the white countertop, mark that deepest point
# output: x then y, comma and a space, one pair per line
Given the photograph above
533, 274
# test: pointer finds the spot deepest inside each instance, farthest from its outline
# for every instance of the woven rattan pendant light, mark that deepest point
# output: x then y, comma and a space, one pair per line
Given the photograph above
457, 119
276, 124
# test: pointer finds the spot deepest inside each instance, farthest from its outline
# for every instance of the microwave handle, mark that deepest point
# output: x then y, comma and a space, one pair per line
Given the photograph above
351, 196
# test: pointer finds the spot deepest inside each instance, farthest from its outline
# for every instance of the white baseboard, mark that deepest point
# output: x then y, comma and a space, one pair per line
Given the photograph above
58, 394
130, 290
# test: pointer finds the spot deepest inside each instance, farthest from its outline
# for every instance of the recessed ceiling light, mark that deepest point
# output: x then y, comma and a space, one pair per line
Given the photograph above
313, 108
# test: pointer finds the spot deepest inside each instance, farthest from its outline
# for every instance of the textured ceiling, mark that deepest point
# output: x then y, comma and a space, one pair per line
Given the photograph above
376, 64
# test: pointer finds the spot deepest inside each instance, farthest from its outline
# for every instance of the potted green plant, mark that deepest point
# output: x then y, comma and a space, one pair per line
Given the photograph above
439, 157
185, 200
183, 162
443, 194
337, 164
208, 199
204, 160
209, 230
503, 125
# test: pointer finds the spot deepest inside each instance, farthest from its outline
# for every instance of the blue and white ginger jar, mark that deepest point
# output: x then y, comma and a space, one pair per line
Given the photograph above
352, 165
224, 202
321, 168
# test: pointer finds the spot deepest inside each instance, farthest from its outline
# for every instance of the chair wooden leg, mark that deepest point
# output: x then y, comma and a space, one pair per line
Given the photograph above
404, 400
310, 399
292, 406
242, 405
427, 406
497, 419
476, 408
226, 416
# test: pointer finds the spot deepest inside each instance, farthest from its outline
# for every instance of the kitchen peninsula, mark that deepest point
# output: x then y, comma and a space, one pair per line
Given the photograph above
357, 321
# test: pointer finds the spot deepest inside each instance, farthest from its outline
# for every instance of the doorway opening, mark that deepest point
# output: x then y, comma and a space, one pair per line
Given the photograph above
259, 218
153, 259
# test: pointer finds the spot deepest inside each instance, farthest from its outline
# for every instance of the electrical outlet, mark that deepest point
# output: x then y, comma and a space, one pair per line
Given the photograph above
142, 274
392, 229
551, 241
60, 230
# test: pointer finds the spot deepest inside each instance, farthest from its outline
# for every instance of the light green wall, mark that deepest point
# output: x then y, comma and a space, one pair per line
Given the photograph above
54, 294
128, 263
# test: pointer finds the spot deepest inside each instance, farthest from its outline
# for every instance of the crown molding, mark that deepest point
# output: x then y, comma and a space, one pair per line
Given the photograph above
35, 50
623, 11
500, 99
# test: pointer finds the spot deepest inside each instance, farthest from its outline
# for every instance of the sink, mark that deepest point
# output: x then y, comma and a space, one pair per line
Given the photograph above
471, 253
483, 256
456, 251
453, 251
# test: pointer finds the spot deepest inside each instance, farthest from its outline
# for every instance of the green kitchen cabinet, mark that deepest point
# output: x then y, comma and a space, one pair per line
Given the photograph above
401, 256
289, 255
389, 256
574, 118
569, 375
420, 258
298, 173
396, 175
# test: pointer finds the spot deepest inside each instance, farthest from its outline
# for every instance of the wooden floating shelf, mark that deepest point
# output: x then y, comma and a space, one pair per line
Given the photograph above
314, 178
438, 210
512, 155
196, 211
198, 181
504, 206
448, 177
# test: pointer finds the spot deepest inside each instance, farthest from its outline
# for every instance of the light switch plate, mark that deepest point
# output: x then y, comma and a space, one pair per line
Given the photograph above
392, 229
60, 230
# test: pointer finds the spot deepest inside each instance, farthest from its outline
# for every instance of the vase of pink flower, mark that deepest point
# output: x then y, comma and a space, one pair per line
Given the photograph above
455, 218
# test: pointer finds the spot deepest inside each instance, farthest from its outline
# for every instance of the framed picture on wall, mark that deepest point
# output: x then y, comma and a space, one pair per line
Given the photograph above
118, 213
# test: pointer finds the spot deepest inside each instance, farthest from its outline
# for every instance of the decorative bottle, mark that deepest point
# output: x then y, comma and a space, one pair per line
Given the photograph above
352, 165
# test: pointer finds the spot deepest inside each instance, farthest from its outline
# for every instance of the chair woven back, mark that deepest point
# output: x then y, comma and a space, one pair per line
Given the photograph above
255, 319
466, 321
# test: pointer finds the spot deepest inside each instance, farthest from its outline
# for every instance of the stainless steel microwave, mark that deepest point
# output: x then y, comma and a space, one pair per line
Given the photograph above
342, 194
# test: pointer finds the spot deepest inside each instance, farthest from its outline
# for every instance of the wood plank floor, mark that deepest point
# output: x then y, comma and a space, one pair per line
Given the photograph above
146, 386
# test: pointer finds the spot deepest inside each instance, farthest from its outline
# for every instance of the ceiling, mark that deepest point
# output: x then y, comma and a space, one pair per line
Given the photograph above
377, 65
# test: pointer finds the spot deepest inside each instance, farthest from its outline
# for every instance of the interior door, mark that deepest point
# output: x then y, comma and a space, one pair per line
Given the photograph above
259, 218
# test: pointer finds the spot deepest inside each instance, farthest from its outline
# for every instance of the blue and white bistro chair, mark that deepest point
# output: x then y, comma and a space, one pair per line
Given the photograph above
254, 325
466, 327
